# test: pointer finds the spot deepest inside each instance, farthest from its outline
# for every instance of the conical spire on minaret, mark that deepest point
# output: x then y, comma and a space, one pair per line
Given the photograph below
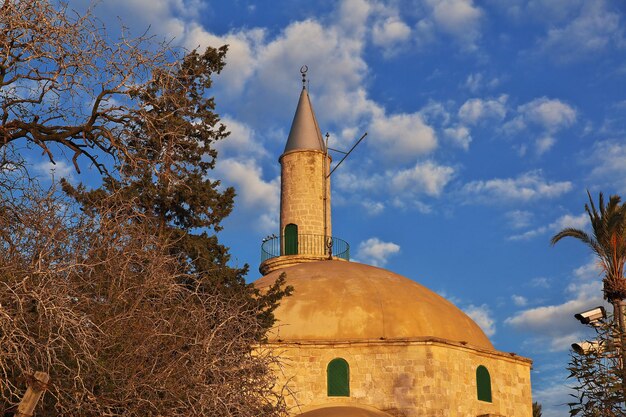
305, 220
304, 133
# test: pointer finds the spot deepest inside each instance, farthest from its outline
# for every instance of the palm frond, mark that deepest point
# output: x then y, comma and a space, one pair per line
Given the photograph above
575, 233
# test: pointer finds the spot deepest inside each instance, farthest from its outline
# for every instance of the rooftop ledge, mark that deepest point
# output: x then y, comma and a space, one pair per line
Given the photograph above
287, 250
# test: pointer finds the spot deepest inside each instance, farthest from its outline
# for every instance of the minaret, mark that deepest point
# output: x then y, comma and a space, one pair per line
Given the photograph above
305, 221
305, 186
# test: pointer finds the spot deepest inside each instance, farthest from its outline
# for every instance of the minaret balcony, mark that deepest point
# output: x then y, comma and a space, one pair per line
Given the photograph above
286, 250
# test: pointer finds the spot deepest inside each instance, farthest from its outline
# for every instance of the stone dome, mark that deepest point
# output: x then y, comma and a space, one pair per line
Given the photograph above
347, 301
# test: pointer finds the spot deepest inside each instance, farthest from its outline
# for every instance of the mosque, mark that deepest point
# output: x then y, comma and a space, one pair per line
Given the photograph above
361, 341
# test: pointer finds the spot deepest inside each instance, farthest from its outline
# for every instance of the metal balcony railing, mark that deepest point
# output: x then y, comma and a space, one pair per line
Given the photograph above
304, 245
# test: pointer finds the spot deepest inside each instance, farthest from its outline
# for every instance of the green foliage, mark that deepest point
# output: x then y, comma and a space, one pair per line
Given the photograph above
169, 158
537, 409
597, 372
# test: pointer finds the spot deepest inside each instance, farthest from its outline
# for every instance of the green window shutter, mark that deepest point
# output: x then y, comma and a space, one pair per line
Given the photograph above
338, 377
291, 239
483, 384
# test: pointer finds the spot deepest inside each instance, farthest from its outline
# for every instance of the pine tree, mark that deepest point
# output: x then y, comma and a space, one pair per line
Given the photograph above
166, 170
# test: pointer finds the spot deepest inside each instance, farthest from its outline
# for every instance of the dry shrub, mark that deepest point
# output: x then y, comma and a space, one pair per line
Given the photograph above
98, 302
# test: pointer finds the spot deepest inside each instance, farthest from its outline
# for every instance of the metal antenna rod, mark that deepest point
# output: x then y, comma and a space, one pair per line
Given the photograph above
336, 150
347, 153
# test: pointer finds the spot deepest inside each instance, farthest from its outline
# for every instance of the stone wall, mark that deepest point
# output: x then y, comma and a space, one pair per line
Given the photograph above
408, 378
302, 192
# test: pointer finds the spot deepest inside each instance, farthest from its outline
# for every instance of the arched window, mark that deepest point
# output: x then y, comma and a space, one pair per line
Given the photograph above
291, 239
338, 377
483, 384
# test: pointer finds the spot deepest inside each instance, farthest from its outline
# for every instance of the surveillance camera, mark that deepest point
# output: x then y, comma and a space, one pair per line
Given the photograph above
585, 348
591, 316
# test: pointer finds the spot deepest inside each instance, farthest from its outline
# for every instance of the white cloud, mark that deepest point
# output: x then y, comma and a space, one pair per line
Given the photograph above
540, 282
473, 82
60, 169
476, 109
592, 31
258, 65
264, 64
459, 18
424, 33
165, 17
549, 115
241, 59
241, 141
526, 187
552, 114
553, 11
529, 234
312, 43
567, 220
519, 219
253, 192
555, 324
483, 317
476, 82
459, 135
427, 178
402, 137
608, 162
390, 32
590, 270
553, 398
544, 144
435, 111
373, 207
376, 252
519, 300
353, 15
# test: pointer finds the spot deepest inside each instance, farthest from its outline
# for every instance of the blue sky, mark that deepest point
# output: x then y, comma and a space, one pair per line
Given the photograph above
487, 122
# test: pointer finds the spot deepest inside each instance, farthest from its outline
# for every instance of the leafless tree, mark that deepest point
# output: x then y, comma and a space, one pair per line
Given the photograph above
99, 303
65, 86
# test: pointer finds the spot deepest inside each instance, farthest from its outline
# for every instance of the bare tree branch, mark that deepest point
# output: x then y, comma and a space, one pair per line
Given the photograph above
63, 81
100, 304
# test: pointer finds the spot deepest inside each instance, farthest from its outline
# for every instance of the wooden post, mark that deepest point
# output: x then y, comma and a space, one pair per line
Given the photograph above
36, 388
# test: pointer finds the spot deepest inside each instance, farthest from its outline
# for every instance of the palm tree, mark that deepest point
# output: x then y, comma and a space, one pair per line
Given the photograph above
608, 242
